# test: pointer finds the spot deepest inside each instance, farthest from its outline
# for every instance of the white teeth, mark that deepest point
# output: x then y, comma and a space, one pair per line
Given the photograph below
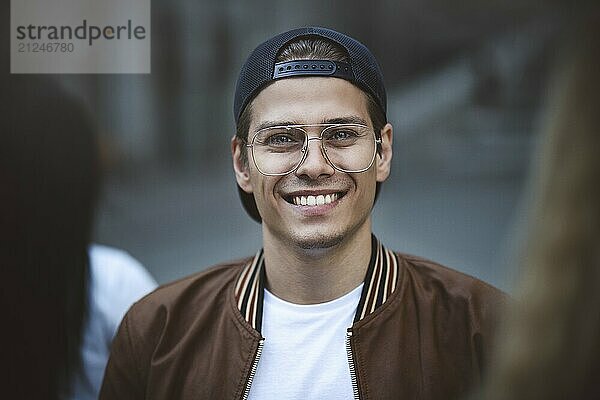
315, 200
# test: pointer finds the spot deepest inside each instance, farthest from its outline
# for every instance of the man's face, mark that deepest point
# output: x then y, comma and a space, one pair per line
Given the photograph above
312, 100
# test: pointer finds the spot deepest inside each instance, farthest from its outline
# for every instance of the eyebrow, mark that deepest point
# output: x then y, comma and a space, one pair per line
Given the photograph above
350, 119
269, 124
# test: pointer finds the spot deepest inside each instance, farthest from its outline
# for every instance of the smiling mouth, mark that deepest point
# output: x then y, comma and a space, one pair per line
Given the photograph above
314, 200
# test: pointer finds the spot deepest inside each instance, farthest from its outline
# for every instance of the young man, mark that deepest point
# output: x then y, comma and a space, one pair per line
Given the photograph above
324, 310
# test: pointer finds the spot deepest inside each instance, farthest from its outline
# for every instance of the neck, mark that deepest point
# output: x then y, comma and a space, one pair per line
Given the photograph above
310, 276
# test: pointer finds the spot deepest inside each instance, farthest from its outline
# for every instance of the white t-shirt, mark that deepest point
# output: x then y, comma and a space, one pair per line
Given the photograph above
116, 281
304, 355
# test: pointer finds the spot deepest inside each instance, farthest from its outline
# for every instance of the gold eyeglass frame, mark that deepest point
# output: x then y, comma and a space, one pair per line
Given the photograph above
307, 139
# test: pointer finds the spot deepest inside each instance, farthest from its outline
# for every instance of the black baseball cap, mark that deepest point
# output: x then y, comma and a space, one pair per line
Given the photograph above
261, 68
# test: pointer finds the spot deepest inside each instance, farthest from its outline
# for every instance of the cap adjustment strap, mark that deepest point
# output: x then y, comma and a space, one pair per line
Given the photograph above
336, 69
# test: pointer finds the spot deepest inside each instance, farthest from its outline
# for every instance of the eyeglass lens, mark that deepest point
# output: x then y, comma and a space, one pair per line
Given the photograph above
279, 150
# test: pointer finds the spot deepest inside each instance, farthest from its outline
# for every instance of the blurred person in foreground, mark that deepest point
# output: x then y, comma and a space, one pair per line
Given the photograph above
551, 346
324, 310
61, 298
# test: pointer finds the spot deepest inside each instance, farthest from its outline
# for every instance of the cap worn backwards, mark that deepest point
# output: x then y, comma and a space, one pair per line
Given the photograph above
259, 69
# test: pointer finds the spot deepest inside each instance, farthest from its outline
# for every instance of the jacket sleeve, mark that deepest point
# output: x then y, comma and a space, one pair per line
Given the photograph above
487, 317
123, 377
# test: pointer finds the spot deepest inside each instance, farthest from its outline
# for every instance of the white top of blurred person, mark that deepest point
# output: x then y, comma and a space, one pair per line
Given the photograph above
117, 280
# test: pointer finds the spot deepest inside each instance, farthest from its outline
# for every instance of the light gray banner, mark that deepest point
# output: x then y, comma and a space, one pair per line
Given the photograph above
80, 36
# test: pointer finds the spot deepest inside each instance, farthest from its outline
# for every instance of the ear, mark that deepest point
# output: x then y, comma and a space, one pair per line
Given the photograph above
384, 157
242, 173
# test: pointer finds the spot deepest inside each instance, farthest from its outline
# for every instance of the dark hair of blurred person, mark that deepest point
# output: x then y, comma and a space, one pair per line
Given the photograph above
551, 347
49, 179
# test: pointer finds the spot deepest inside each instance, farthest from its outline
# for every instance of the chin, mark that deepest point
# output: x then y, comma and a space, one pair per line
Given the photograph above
318, 241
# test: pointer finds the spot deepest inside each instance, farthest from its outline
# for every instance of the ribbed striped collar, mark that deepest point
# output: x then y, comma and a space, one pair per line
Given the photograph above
381, 280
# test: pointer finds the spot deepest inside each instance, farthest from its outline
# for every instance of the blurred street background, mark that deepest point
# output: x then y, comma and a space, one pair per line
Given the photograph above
465, 81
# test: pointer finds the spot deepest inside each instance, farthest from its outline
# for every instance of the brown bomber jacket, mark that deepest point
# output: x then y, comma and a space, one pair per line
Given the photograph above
422, 331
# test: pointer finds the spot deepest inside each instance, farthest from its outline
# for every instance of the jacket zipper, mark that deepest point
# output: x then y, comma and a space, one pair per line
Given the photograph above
351, 365
253, 369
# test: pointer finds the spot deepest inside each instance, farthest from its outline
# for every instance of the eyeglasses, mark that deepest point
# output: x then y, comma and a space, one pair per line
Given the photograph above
280, 150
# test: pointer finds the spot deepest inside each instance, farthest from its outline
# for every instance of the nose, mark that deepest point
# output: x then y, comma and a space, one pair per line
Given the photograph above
315, 164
